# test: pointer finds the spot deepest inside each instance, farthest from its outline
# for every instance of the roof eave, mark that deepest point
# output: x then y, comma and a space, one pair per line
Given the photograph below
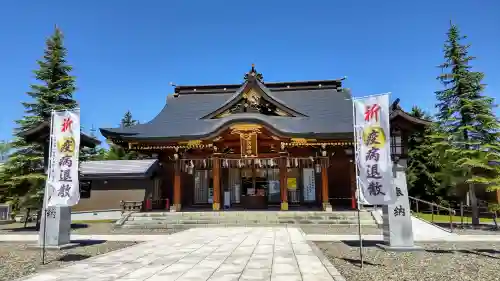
42, 131
401, 113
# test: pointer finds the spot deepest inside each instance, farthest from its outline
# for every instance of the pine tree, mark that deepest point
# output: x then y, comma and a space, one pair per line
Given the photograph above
5, 148
467, 135
127, 120
24, 170
117, 152
92, 154
423, 169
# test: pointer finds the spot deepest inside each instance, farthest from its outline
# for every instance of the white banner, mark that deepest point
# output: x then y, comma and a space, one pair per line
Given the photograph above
373, 155
62, 185
309, 181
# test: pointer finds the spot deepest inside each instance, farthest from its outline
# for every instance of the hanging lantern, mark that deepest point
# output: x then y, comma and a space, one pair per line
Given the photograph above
288, 162
204, 163
240, 163
296, 162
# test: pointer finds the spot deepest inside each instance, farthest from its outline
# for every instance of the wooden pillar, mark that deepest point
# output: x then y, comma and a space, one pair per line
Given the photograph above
177, 200
283, 183
324, 187
216, 183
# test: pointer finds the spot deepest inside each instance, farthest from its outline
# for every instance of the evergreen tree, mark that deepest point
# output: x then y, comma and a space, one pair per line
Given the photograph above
422, 172
5, 148
127, 120
117, 152
92, 154
467, 136
23, 172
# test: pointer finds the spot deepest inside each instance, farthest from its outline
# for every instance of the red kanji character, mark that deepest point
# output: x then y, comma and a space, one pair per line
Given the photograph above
371, 112
66, 124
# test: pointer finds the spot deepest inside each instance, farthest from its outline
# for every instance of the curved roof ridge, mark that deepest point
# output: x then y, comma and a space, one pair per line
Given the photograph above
268, 93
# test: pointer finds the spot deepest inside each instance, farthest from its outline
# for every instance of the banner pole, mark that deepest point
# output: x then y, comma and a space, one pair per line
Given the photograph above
46, 189
44, 234
357, 183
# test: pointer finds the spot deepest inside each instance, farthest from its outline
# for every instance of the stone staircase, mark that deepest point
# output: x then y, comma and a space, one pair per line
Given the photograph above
183, 220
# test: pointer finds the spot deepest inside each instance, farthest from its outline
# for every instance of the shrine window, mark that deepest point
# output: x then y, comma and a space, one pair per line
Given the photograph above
397, 144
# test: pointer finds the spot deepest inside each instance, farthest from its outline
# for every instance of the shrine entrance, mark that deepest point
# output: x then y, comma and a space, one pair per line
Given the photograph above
256, 183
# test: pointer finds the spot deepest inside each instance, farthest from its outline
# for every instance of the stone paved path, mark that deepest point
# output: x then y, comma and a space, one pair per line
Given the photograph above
215, 254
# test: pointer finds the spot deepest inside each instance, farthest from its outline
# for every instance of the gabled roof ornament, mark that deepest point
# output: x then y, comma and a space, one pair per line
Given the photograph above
254, 75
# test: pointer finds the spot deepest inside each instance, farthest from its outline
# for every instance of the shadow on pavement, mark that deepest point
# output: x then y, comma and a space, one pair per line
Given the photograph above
369, 243
73, 257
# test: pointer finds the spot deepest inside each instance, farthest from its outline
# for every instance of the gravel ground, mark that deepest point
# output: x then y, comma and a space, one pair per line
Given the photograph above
18, 260
88, 228
478, 261
340, 229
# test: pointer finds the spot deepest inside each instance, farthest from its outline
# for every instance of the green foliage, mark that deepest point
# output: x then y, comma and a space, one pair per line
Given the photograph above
5, 148
23, 175
127, 120
117, 152
92, 154
422, 173
466, 136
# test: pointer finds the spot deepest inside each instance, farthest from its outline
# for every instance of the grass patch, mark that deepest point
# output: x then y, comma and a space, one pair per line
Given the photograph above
446, 218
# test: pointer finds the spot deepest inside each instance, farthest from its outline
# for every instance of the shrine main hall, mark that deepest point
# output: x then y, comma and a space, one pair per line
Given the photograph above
256, 145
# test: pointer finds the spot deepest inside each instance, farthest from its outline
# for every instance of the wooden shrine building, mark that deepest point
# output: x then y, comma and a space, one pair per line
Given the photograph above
256, 145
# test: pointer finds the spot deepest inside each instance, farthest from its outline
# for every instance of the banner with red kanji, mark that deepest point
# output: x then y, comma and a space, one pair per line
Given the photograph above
373, 153
62, 177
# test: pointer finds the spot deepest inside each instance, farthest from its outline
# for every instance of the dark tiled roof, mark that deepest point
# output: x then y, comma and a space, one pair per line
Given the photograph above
328, 111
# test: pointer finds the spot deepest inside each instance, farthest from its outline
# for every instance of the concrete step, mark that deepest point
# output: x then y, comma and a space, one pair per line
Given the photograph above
244, 222
187, 226
138, 216
216, 219
245, 218
249, 213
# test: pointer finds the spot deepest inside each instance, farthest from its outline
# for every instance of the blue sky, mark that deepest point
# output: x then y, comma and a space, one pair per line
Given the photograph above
125, 53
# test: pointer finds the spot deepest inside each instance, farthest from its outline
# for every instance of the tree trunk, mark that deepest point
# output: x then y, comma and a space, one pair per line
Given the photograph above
27, 217
38, 219
495, 219
473, 203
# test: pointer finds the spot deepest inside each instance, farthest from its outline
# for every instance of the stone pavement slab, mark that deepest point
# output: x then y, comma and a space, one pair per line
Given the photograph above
206, 254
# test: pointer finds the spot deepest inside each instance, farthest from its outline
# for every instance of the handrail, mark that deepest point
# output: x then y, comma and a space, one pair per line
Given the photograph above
451, 212
433, 204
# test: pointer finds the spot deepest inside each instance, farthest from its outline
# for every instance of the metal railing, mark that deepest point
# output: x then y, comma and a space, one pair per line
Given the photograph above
484, 212
419, 206
458, 215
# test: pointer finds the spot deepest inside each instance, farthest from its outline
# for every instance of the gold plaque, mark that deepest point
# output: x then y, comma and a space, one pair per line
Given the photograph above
248, 144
